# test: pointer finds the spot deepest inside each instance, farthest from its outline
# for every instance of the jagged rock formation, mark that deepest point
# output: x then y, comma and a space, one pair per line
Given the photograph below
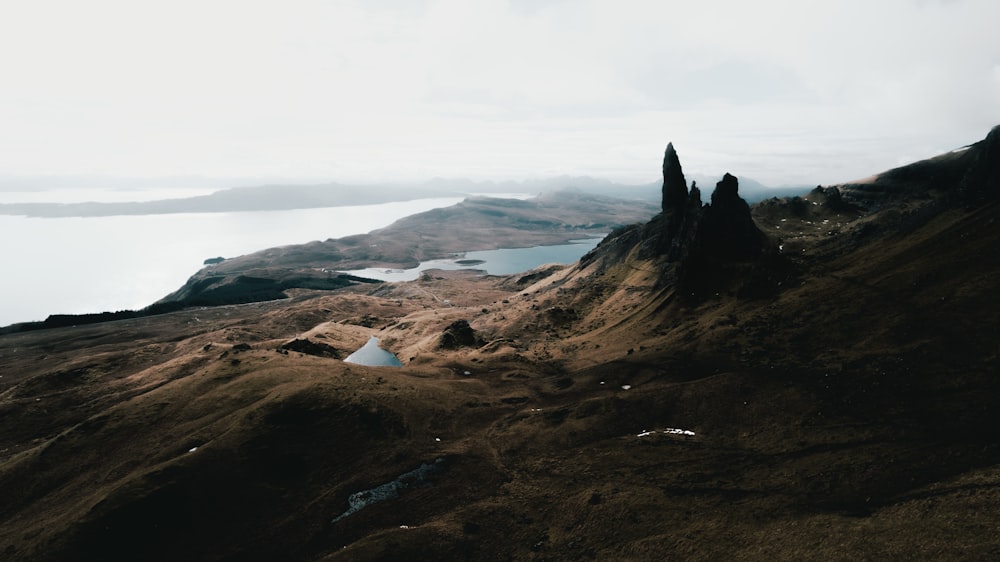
700, 246
727, 230
674, 186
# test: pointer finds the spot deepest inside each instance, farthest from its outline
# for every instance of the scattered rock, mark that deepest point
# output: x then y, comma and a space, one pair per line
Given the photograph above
560, 315
415, 478
832, 200
458, 334
367, 321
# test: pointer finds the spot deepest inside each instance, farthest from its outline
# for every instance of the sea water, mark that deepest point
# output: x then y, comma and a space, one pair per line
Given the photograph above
94, 264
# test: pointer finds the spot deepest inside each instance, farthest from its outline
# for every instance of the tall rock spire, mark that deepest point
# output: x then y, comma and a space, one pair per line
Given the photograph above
674, 186
728, 230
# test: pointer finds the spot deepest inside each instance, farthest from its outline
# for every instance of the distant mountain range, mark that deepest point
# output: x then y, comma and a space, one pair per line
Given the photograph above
285, 197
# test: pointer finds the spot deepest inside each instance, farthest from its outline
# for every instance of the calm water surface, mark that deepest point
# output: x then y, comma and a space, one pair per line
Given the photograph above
372, 355
494, 262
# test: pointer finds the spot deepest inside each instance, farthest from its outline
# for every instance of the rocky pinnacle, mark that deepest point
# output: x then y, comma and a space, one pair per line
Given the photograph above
674, 186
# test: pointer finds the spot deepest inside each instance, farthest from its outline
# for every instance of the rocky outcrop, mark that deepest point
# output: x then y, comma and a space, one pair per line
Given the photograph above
727, 230
458, 334
675, 191
702, 248
686, 229
309, 347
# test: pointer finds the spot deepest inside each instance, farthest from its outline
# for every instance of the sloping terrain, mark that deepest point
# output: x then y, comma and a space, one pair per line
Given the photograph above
826, 392
477, 223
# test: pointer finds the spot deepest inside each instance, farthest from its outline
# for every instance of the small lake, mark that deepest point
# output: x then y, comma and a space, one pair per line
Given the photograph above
371, 355
494, 262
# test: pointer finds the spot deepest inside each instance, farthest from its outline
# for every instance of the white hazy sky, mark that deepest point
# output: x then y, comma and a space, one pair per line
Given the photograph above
786, 92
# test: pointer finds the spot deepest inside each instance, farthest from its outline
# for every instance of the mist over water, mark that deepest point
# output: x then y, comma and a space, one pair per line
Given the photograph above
97, 264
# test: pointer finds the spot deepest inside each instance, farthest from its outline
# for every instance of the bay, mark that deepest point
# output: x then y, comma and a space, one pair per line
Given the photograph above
88, 265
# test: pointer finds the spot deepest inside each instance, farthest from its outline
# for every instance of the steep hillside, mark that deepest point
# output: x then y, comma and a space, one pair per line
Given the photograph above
810, 378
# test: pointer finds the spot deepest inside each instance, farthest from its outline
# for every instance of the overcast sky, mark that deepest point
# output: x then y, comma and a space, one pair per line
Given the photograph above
786, 92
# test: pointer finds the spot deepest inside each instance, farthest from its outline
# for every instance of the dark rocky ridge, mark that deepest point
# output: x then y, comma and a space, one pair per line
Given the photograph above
969, 175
